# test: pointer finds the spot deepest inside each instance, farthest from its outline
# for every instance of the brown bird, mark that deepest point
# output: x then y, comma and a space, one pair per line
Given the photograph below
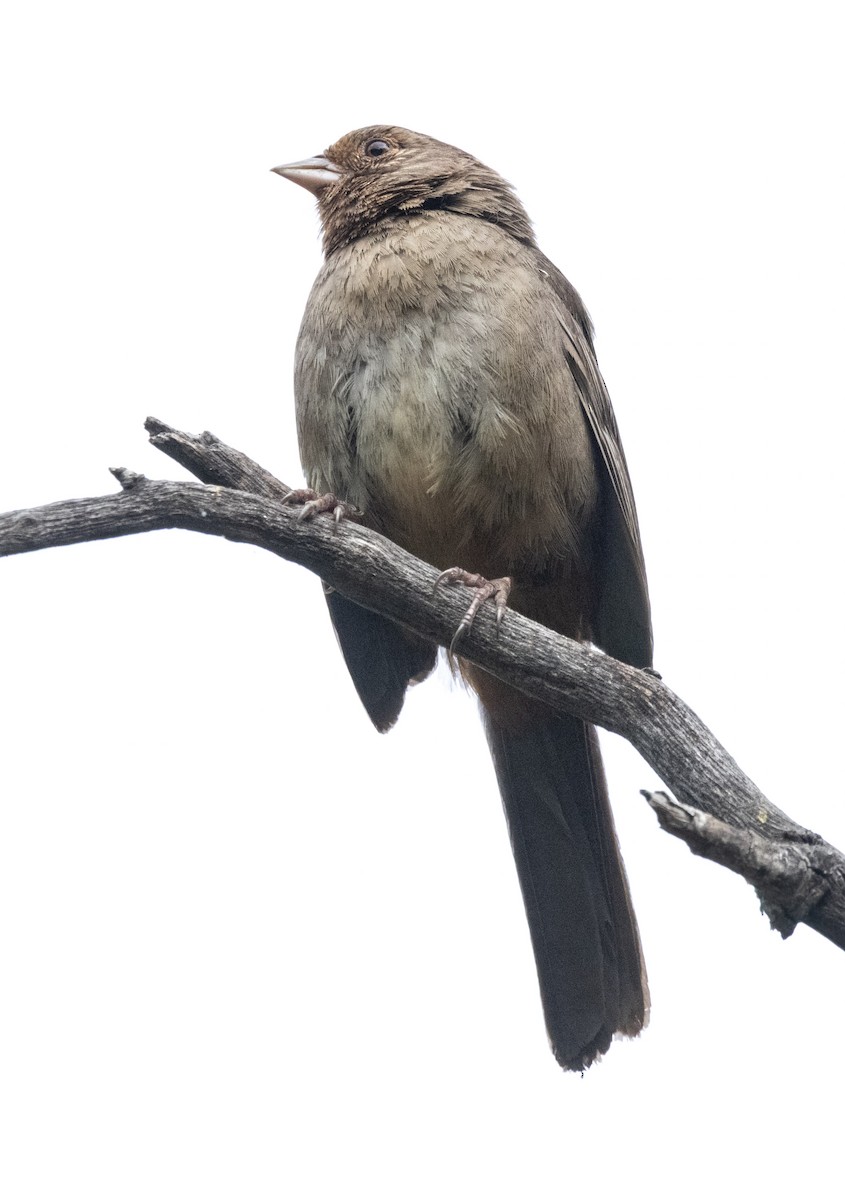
446, 384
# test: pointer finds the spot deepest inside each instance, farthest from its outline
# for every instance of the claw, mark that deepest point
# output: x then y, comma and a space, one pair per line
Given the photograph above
313, 504
486, 589
299, 496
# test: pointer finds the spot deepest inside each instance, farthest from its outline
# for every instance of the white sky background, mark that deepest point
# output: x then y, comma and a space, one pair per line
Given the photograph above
249, 948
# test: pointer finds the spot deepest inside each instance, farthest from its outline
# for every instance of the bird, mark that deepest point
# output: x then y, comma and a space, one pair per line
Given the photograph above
446, 386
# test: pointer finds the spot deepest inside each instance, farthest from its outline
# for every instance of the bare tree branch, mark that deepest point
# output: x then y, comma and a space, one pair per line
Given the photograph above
790, 877
717, 809
212, 461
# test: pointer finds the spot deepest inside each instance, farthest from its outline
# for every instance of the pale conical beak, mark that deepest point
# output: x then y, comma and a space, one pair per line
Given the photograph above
314, 174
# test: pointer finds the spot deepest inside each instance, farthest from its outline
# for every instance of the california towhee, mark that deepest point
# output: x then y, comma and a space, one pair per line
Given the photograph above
446, 384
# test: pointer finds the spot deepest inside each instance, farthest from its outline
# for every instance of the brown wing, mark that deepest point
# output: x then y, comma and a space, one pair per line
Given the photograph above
623, 620
382, 658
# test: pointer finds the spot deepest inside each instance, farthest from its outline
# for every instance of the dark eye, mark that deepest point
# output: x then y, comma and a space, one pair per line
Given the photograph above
376, 147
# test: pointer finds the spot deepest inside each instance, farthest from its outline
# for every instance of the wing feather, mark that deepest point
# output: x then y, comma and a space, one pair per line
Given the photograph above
623, 622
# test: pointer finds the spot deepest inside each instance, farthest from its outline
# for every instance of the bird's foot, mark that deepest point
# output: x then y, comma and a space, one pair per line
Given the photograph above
497, 590
313, 504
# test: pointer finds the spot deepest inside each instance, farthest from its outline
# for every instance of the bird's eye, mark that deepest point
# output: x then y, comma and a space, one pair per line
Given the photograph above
376, 147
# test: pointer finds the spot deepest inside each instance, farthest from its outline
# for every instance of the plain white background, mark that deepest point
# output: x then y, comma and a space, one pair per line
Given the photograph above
249, 947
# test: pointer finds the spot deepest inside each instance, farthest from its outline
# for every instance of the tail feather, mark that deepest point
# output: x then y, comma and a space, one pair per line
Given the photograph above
582, 924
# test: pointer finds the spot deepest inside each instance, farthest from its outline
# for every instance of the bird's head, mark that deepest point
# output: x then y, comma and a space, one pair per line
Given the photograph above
384, 173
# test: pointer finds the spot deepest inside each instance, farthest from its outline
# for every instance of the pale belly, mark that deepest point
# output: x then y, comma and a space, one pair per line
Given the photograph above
428, 413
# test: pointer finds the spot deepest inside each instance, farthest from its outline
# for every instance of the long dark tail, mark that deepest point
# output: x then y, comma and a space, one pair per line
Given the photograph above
589, 960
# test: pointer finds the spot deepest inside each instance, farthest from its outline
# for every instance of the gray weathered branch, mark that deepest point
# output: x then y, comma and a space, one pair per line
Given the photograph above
717, 809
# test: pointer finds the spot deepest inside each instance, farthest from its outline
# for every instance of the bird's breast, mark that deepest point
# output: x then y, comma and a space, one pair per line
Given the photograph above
428, 395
